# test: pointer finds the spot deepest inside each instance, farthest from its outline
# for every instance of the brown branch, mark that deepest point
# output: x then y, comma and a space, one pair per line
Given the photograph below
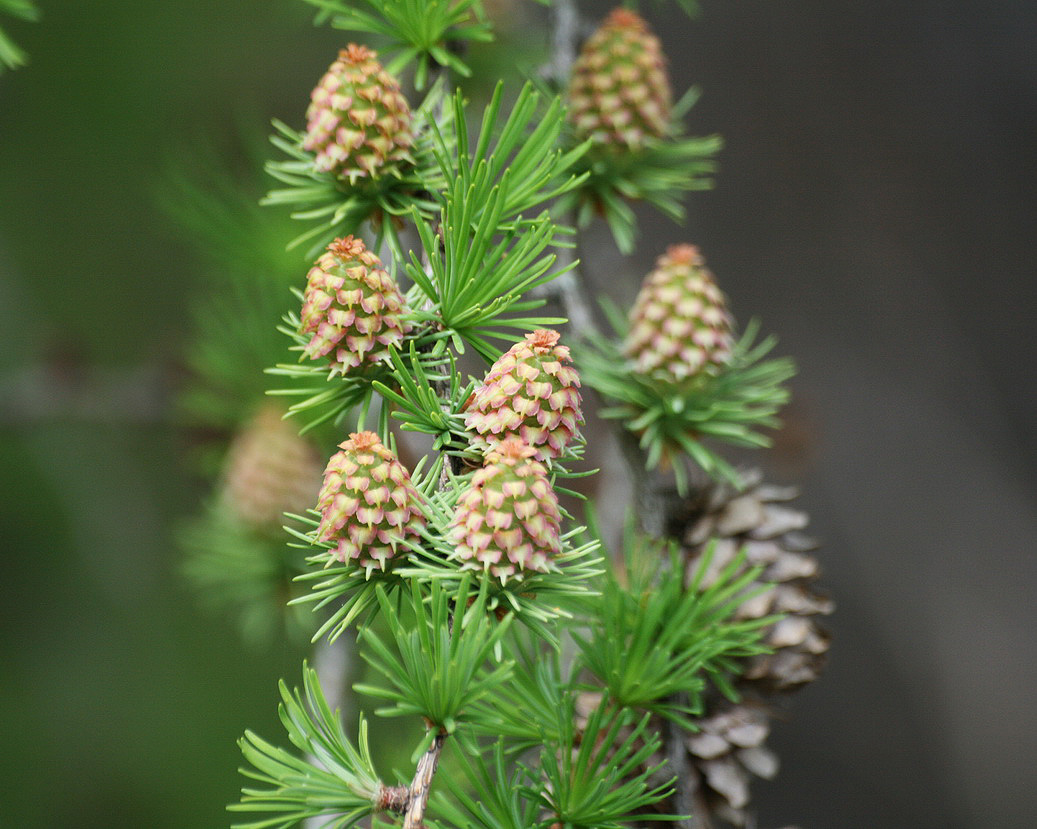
421, 785
392, 799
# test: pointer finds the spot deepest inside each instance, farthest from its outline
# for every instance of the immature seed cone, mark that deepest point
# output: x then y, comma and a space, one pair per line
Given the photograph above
679, 325
358, 122
368, 504
508, 521
619, 95
531, 392
352, 307
269, 470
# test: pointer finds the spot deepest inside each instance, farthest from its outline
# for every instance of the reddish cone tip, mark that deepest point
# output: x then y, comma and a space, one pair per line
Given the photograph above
626, 19
511, 448
348, 247
356, 54
360, 440
684, 254
543, 339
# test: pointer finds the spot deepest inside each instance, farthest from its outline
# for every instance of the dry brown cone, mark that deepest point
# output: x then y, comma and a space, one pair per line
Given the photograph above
729, 748
759, 520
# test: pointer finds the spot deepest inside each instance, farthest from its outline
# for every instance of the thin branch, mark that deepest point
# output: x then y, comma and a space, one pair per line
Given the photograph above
421, 785
687, 796
565, 25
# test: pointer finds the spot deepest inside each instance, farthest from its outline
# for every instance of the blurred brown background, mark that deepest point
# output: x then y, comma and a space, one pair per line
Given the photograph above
875, 209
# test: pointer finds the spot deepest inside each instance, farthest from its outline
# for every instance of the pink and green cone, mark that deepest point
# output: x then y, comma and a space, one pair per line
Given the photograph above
679, 325
531, 392
619, 94
269, 470
369, 507
508, 521
358, 123
352, 307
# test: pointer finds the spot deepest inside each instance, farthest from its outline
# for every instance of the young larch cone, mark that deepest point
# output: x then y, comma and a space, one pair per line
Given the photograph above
368, 505
679, 325
619, 94
269, 470
358, 122
531, 392
352, 307
508, 521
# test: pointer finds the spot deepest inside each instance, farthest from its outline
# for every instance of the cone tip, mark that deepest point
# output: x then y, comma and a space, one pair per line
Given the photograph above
684, 254
513, 448
360, 440
348, 247
626, 19
543, 339
354, 53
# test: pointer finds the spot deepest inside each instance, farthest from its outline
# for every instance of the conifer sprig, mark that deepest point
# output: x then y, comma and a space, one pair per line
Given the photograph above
494, 794
526, 147
335, 780
11, 55
486, 254
417, 404
417, 32
467, 563
521, 711
653, 640
598, 776
441, 660
673, 420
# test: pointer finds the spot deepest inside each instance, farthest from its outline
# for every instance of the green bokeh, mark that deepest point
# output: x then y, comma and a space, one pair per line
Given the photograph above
121, 700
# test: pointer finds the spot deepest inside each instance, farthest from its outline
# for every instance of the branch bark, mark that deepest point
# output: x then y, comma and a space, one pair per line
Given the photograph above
421, 785
687, 794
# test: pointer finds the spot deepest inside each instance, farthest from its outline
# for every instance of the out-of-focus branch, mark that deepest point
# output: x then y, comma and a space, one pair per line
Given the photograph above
565, 29
125, 395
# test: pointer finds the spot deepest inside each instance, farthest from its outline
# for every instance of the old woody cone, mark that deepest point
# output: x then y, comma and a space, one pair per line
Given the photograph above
729, 750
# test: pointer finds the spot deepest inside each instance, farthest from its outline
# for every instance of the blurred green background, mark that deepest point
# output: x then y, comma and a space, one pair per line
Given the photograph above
121, 701
875, 207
